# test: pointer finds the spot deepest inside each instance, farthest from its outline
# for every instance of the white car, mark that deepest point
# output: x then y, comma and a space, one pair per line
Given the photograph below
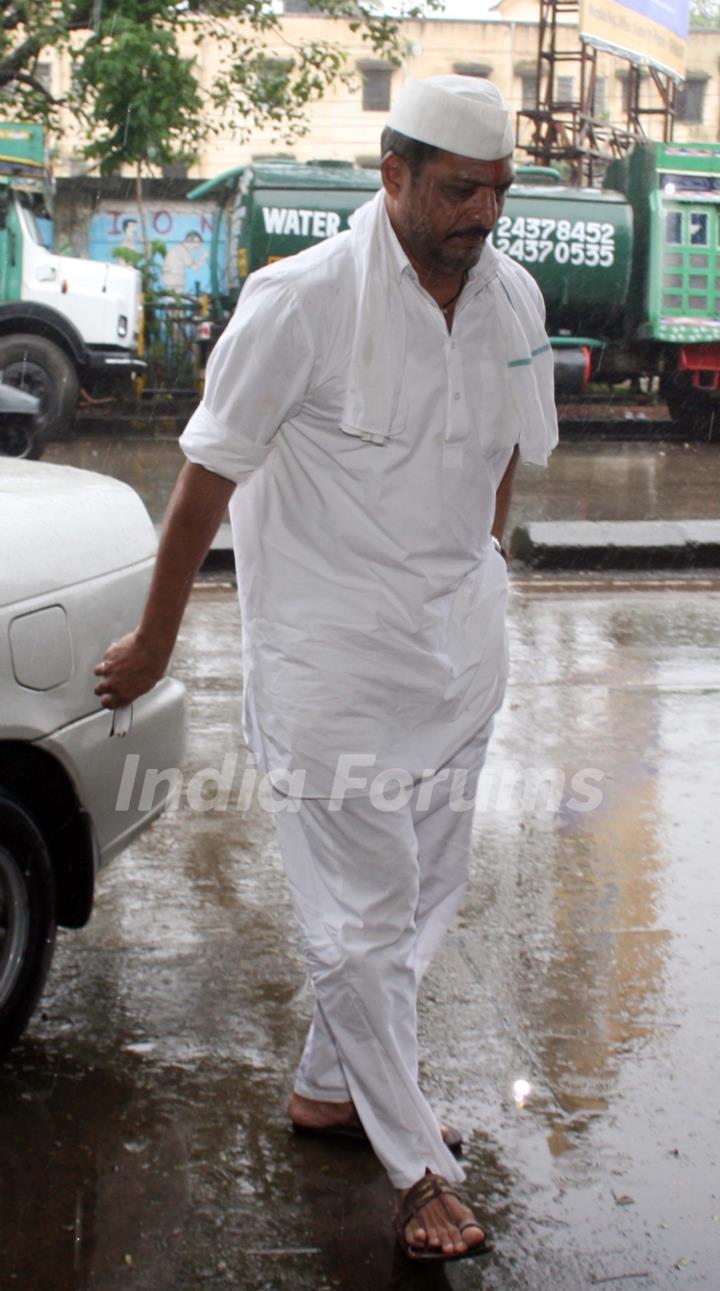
76, 555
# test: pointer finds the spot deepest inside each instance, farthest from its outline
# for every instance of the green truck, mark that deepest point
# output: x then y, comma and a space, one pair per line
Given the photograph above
65, 323
630, 272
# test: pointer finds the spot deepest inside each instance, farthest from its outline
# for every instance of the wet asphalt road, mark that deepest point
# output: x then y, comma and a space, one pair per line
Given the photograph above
143, 1141
586, 479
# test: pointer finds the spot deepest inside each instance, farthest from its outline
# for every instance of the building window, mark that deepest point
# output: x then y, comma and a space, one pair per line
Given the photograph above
43, 74
690, 100
565, 89
529, 82
625, 82
175, 170
376, 88
272, 78
472, 69
599, 104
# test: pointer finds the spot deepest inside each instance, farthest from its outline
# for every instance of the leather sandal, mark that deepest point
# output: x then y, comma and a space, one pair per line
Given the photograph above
428, 1189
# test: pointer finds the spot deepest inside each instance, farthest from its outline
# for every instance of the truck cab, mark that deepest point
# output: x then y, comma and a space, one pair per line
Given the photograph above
675, 188
65, 322
272, 209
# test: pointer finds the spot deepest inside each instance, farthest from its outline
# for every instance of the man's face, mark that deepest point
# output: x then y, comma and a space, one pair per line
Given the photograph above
444, 215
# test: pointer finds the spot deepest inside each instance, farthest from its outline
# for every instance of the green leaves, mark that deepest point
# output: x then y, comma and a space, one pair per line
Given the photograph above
140, 98
704, 13
144, 103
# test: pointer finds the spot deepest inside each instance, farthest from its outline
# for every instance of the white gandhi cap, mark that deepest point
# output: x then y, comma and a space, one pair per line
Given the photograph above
461, 114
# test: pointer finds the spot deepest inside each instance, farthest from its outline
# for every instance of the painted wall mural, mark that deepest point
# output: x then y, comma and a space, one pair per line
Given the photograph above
184, 227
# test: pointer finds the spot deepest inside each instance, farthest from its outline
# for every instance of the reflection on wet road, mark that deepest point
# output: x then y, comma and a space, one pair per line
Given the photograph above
569, 1026
585, 480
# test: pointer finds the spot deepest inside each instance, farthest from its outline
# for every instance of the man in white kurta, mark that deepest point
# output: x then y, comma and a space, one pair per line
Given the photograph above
367, 426
372, 598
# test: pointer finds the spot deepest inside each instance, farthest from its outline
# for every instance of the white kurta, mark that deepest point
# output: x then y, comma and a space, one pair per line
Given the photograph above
372, 598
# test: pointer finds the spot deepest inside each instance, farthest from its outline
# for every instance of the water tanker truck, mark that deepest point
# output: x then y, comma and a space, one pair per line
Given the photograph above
65, 322
630, 272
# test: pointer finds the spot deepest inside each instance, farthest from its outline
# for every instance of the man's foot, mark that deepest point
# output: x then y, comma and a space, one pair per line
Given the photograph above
315, 1116
432, 1223
311, 1116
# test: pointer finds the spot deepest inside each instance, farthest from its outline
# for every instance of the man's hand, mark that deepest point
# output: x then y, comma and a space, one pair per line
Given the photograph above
134, 664
502, 501
128, 669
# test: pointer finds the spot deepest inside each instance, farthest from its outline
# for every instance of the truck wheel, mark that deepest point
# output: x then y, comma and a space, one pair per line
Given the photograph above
27, 918
695, 411
39, 366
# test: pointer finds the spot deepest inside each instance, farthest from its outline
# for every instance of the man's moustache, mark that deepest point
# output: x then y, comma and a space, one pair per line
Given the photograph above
476, 232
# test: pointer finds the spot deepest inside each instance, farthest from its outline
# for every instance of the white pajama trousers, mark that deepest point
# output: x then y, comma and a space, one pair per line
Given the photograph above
374, 891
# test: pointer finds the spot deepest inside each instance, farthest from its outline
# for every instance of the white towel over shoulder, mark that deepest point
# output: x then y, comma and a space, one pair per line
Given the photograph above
371, 407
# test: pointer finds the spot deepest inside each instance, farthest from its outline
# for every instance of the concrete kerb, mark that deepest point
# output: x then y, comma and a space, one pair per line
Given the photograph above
582, 544
618, 544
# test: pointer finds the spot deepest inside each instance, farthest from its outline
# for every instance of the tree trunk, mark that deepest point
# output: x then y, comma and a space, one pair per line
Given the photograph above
141, 214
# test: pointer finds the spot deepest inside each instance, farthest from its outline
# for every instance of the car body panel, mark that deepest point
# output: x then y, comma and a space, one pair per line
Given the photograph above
97, 612
76, 557
54, 519
126, 780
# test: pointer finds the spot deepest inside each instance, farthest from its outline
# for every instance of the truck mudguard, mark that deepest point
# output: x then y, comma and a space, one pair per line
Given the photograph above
29, 316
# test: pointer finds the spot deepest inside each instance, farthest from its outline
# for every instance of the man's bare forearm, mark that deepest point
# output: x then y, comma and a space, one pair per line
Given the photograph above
131, 666
503, 497
192, 519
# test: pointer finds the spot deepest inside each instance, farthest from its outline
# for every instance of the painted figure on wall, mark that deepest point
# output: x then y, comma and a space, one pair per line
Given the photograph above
184, 230
183, 266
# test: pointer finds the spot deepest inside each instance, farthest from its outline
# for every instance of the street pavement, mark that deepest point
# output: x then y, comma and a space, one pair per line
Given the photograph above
586, 480
569, 1025
640, 504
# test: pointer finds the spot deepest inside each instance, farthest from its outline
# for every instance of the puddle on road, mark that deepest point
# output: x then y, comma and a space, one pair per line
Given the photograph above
142, 1135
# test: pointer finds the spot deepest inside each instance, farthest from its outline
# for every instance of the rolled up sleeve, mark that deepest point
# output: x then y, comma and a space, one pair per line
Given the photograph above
256, 380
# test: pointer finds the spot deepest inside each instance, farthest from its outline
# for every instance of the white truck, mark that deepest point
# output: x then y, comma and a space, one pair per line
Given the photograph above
65, 323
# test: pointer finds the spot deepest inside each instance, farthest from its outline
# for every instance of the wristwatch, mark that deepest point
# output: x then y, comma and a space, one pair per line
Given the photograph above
498, 547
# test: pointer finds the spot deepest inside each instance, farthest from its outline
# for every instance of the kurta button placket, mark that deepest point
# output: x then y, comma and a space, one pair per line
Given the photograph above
455, 380
449, 374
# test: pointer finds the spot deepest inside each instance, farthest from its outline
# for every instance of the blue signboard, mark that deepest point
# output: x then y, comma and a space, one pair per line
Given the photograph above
651, 32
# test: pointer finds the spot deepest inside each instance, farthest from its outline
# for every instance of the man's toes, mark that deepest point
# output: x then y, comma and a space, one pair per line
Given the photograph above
417, 1236
472, 1234
455, 1241
453, 1233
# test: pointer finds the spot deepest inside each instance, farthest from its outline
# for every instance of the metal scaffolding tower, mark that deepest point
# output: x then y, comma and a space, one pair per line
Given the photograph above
569, 130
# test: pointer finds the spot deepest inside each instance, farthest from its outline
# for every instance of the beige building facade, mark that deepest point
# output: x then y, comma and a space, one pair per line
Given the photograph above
347, 122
